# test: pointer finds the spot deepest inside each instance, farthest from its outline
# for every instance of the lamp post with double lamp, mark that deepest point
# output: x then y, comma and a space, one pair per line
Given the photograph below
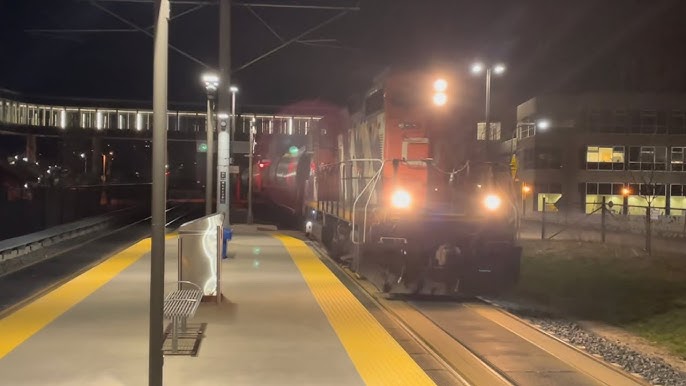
211, 83
477, 69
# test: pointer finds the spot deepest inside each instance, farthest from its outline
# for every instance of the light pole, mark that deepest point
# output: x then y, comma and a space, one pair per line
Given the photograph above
211, 84
251, 144
626, 192
525, 190
223, 161
103, 177
85, 163
498, 69
233, 90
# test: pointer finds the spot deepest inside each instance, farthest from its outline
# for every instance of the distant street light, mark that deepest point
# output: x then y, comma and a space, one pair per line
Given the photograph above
211, 85
478, 68
543, 124
525, 191
211, 82
234, 91
85, 163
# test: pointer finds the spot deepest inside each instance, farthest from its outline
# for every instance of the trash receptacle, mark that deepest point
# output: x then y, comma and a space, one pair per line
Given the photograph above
228, 234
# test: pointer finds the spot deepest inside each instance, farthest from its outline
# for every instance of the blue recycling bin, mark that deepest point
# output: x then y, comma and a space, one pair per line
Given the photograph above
228, 234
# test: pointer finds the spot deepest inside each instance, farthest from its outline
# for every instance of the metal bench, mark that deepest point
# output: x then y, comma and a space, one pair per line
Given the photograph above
179, 306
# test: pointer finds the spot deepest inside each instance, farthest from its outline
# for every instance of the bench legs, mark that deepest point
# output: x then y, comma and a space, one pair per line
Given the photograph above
175, 333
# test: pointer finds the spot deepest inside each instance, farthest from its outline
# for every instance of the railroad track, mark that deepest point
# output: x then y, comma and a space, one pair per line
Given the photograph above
477, 343
64, 261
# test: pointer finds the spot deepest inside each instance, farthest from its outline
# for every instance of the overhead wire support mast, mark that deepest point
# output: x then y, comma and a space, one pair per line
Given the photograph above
159, 194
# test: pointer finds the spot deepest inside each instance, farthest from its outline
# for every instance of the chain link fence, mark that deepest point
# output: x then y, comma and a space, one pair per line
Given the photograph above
608, 218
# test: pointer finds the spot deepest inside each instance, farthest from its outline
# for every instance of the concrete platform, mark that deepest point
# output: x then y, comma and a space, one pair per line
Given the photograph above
286, 320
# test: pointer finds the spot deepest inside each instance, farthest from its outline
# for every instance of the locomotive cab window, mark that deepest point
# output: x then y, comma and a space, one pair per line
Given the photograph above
374, 102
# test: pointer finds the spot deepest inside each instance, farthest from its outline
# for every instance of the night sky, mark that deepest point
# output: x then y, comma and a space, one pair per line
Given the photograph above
548, 46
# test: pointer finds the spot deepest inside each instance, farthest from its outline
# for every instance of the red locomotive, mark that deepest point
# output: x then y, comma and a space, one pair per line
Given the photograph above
369, 186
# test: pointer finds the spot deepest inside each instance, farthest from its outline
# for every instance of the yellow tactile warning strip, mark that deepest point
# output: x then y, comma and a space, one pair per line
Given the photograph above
378, 358
20, 325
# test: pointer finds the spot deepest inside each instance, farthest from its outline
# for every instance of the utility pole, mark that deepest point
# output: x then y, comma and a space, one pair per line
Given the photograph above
159, 187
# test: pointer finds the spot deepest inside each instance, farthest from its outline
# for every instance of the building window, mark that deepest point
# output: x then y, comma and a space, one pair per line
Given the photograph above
595, 191
605, 157
648, 158
637, 200
677, 123
528, 159
648, 122
621, 121
677, 200
547, 158
525, 130
644, 194
677, 160
597, 121
552, 194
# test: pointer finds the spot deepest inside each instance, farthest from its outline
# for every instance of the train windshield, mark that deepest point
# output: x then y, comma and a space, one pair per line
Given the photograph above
472, 183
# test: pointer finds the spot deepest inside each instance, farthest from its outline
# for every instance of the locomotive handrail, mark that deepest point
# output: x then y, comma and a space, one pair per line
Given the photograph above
371, 182
376, 179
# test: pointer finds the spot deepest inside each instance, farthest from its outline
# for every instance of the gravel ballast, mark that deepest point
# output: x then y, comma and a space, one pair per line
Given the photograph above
655, 370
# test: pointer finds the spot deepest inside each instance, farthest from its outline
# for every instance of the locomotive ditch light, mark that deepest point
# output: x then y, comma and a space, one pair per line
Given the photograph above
401, 199
492, 202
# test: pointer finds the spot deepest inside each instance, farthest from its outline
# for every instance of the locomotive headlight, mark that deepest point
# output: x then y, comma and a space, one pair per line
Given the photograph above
401, 199
492, 202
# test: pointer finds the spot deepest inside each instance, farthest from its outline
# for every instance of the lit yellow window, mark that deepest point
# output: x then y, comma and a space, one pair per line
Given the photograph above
592, 154
605, 154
